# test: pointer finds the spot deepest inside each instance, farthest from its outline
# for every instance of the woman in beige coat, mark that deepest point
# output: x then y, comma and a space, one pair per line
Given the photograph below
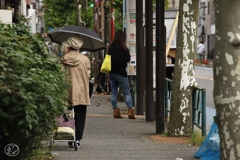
77, 66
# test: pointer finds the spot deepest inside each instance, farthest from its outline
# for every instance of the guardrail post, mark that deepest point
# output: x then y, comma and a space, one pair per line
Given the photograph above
204, 112
166, 100
193, 107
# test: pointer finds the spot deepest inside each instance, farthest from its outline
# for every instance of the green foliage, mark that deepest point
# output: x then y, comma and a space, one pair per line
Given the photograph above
118, 12
32, 90
118, 22
164, 134
196, 138
87, 17
58, 13
166, 3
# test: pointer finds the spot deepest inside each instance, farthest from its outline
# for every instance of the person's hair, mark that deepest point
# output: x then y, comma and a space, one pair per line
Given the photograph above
72, 49
120, 39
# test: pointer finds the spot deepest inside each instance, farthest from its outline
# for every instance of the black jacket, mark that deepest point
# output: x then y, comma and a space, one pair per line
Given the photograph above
119, 59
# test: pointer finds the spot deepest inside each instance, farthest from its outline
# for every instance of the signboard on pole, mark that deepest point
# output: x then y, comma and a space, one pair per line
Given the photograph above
130, 24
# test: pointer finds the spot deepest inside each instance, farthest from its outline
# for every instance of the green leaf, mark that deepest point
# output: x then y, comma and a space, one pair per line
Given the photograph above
21, 122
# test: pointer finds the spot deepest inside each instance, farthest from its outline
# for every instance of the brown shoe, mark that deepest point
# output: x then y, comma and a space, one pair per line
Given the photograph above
116, 113
131, 114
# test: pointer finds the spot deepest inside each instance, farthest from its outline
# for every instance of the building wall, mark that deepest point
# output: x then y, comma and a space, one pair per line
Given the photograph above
210, 28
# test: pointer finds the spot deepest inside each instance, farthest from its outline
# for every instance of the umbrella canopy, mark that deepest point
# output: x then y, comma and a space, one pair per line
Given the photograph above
91, 41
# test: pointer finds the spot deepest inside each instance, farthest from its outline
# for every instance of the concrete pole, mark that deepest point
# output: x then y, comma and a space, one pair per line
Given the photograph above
24, 7
33, 15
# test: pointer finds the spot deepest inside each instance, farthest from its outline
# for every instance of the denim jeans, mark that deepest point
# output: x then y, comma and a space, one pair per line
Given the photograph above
122, 82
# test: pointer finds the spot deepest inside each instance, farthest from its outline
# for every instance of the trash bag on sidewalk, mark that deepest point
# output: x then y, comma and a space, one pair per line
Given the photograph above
210, 148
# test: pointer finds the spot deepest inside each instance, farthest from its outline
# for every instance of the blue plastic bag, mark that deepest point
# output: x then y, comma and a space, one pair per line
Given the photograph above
210, 148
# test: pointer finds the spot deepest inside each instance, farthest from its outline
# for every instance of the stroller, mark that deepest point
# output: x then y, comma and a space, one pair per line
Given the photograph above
65, 130
66, 126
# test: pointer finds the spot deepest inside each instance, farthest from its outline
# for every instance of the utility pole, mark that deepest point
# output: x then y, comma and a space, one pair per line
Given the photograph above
112, 22
140, 59
149, 60
160, 66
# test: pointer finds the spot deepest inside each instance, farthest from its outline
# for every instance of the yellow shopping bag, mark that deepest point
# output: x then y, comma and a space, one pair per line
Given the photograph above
106, 65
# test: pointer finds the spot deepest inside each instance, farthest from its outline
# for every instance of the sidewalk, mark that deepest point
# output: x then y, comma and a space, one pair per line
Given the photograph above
106, 138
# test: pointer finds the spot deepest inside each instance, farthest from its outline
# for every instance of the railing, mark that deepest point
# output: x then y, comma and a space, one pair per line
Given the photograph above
198, 104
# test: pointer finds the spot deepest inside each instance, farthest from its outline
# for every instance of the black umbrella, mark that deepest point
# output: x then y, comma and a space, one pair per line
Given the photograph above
91, 41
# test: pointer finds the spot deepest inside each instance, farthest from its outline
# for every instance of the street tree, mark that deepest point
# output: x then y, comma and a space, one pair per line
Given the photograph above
58, 13
184, 81
118, 11
226, 73
77, 12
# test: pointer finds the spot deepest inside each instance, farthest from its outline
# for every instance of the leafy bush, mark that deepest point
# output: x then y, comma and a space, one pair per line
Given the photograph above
32, 90
196, 138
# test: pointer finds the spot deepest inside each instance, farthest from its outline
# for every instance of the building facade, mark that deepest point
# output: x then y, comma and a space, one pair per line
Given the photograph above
206, 24
209, 25
28, 8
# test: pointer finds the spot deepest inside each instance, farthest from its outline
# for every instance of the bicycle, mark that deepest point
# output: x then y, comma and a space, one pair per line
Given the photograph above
104, 85
132, 89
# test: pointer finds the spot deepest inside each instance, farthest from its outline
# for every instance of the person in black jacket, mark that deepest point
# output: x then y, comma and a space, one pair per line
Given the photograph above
120, 56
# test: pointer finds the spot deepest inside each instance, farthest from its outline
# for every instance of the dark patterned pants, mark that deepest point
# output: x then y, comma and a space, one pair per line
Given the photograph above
80, 117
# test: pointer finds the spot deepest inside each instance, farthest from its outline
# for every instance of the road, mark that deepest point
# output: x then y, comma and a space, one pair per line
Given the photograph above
204, 76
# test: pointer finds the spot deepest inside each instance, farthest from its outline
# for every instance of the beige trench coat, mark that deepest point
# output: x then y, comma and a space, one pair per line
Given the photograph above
77, 66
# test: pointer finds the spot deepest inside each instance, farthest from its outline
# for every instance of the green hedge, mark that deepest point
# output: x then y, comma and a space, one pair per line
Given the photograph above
32, 90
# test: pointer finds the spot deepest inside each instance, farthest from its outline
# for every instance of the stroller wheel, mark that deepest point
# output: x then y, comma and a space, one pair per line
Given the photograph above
51, 145
70, 144
75, 146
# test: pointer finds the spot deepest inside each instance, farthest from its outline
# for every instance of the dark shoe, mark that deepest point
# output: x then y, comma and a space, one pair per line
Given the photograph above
78, 144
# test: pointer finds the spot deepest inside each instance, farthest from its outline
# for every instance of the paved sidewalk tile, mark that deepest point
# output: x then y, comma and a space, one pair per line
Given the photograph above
106, 138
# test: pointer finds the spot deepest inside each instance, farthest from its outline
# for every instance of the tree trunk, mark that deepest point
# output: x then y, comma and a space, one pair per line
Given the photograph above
84, 5
102, 20
2, 4
107, 19
184, 81
77, 10
227, 77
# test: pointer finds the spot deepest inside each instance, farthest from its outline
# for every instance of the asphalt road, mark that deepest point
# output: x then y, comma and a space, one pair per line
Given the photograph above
204, 76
